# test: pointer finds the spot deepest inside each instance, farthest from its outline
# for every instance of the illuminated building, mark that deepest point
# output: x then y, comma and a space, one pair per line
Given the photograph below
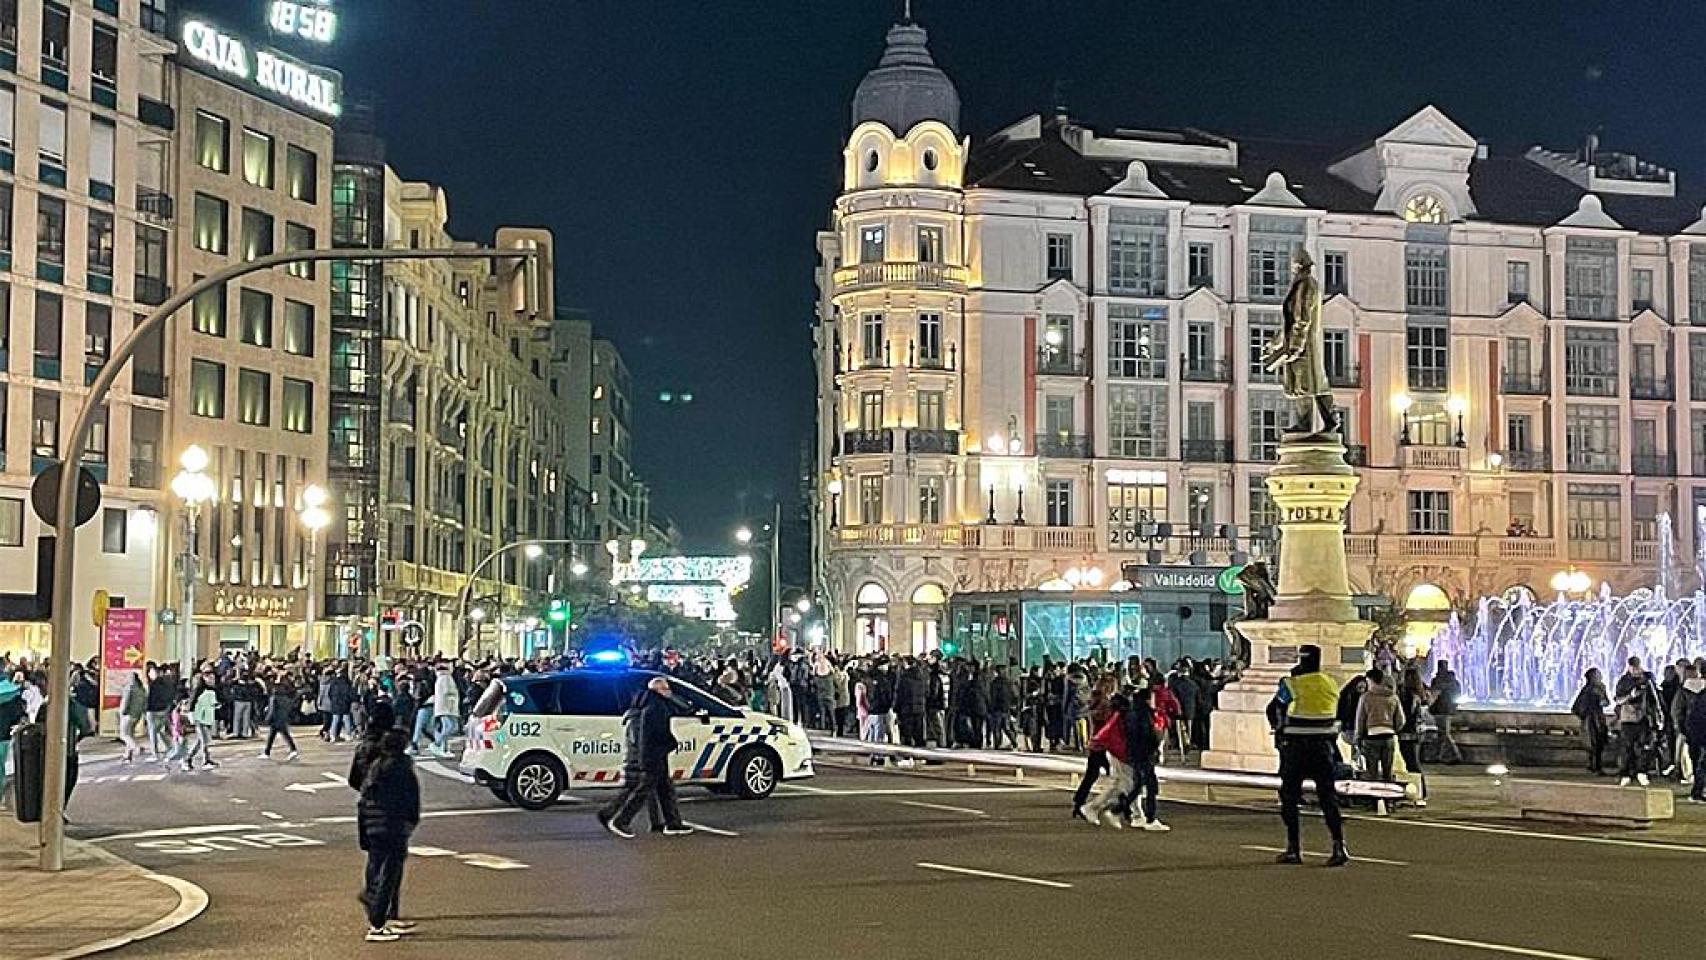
1037, 353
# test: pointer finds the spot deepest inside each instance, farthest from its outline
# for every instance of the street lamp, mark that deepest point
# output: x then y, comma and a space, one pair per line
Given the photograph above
1401, 404
194, 488
745, 537
804, 605
1571, 581
314, 519
579, 568
1458, 406
533, 551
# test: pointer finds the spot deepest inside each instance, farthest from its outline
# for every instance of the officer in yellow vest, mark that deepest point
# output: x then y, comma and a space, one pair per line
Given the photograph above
1304, 718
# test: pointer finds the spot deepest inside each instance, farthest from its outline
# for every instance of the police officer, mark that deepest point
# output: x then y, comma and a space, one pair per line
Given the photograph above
1303, 715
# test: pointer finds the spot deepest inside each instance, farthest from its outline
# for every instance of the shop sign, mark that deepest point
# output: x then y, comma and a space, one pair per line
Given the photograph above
1149, 577
315, 89
264, 606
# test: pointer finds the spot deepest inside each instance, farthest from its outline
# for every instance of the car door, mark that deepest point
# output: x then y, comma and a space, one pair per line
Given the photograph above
587, 728
707, 732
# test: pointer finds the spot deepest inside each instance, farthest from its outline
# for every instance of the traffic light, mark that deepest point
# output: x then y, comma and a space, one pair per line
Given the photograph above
950, 648
559, 611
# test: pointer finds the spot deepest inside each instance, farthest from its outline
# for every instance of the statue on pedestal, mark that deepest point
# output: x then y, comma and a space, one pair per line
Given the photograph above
1299, 355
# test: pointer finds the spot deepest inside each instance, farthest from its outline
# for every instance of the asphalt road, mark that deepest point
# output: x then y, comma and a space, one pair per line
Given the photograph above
865, 864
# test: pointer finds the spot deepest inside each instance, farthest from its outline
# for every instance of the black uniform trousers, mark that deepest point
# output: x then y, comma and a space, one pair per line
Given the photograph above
1304, 757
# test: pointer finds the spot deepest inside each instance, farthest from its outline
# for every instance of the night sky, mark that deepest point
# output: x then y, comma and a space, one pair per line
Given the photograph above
685, 153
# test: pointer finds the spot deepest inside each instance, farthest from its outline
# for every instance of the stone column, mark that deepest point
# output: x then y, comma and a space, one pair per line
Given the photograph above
1311, 486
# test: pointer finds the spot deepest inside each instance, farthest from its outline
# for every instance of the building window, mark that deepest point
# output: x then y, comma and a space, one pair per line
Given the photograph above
1697, 284
298, 406
1059, 256
1519, 433
1594, 513
207, 389
103, 55
207, 312
6, 218
255, 318
50, 125
1427, 353
100, 242
930, 500
1057, 503
50, 229
11, 522
254, 397
1335, 273
210, 216
1516, 281
870, 500
871, 411
1271, 242
1199, 507
257, 234
301, 170
930, 406
1430, 512
49, 331
298, 328
114, 527
1137, 342
299, 237
1591, 437
1336, 354
1137, 421
930, 245
1430, 424
871, 342
1590, 278
930, 339
1264, 513
1641, 289
1426, 279
1199, 348
873, 244
102, 137
1136, 498
1590, 362
257, 158
1268, 416
212, 142
1199, 261
1264, 327
44, 423
55, 35
1137, 252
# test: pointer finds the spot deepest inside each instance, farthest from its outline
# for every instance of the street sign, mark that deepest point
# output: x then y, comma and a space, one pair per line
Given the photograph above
124, 637
1227, 580
44, 495
98, 608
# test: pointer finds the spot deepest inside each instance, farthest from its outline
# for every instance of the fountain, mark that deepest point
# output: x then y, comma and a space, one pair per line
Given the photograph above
1528, 654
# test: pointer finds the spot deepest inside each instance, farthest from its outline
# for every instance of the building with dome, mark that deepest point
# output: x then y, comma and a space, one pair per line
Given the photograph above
1044, 426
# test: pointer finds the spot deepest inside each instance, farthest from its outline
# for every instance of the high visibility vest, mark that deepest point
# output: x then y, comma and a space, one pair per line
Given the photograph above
1314, 705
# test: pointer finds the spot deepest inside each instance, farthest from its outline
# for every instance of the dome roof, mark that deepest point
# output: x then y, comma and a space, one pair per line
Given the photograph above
906, 87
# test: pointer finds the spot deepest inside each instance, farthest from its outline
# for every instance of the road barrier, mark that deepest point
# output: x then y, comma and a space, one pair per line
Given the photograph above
1370, 789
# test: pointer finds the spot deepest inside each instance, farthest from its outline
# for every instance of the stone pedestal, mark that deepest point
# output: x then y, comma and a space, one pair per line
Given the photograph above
1311, 486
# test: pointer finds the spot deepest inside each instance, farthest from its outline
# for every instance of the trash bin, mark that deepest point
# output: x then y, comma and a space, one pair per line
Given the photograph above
29, 750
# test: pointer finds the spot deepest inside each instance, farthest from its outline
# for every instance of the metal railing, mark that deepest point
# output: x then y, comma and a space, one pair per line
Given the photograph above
1054, 362
1651, 388
1590, 461
868, 441
1205, 451
1064, 446
1523, 383
1345, 378
1424, 457
1201, 370
1653, 464
1528, 461
932, 441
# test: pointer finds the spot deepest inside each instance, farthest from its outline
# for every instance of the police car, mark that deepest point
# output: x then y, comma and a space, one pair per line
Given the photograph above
533, 736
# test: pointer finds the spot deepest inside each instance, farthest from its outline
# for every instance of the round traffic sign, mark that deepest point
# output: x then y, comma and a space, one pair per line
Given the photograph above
44, 495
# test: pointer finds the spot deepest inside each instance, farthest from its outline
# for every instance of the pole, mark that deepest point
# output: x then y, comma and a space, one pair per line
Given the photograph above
308, 619
468, 584
52, 834
776, 575
186, 622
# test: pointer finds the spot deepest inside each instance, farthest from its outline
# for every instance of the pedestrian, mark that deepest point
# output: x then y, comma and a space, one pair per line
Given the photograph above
341, 697
242, 705
203, 708
1000, 725
1637, 715
910, 688
281, 699
1413, 700
1688, 691
11, 714
132, 707
1589, 707
1110, 741
1303, 715
1694, 726
649, 742
843, 701
1445, 690
1143, 746
161, 694
1184, 688
387, 812
446, 708
1378, 717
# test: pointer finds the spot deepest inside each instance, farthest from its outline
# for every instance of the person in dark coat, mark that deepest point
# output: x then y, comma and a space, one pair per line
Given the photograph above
281, 699
974, 706
645, 766
911, 696
340, 697
386, 815
1589, 707
935, 700
1001, 699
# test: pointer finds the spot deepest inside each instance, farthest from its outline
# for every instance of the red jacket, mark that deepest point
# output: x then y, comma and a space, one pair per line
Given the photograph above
1111, 738
1166, 706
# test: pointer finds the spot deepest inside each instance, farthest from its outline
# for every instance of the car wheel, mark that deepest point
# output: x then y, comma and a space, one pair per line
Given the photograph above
534, 782
755, 774
499, 790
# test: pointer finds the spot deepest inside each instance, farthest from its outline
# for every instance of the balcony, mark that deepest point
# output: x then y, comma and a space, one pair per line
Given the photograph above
154, 204
936, 362
1054, 362
1523, 383
1063, 446
922, 276
402, 414
1423, 546
932, 441
1205, 451
1590, 385
1018, 539
1591, 461
1204, 370
144, 474
1345, 378
150, 290
1644, 552
1651, 388
867, 441
1528, 461
1653, 464
156, 114
1419, 456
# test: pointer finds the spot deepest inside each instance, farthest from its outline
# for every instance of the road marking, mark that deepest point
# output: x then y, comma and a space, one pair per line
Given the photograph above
949, 808
490, 861
1498, 947
181, 832
272, 816
228, 844
715, 830
148, 778
804, 791
438, 770
239, 801
1538, 835
1035, 881
331, 780
415, 851
1322, 856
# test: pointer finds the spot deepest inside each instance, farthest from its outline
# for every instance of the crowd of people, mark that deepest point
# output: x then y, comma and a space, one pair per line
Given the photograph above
1660, 724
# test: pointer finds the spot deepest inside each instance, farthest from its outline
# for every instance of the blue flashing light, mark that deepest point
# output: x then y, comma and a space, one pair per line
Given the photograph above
607, 658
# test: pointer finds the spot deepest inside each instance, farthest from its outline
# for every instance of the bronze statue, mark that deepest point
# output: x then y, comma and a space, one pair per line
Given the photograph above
1299, 354
1259, 593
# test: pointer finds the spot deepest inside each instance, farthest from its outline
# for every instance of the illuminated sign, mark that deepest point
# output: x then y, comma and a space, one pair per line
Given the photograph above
310, 21
304, 85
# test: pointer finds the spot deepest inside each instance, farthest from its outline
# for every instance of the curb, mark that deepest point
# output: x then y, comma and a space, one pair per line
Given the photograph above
192, 900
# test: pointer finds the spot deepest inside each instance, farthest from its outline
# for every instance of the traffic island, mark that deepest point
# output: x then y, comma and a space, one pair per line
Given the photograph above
99, 902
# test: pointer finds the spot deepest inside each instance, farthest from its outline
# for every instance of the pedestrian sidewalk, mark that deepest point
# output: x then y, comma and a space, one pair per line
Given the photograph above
98, 902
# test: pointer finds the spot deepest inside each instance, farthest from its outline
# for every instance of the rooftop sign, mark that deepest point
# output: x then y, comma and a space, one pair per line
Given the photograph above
272, 72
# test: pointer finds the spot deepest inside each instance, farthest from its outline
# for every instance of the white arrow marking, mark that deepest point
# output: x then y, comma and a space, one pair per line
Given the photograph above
332, 780
490, 861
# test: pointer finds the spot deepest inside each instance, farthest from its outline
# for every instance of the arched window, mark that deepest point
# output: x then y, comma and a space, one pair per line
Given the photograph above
929, 593
1426, 596
1424, 208
872, 595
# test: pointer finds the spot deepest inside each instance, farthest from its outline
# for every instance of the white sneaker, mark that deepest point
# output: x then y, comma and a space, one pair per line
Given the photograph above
382, 935
1623, 781
293, 756
1111, 819
1641, 779
1156, 826
402, 926
1089, 817
681, 831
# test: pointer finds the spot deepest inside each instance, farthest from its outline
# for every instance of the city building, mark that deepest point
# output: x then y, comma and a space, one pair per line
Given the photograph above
619, 499
85, 214
448, 439
1045, 425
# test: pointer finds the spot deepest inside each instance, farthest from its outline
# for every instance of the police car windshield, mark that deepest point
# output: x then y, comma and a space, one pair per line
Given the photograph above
696, 700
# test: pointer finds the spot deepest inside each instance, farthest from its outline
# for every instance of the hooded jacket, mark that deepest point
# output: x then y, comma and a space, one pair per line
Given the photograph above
390, 803
1378, 712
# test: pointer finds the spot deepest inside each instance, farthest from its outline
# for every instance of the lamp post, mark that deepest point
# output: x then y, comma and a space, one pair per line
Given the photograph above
194, 488
533, 549
314, 519
744, 537
1571, 581
52, 833
1401, 403
1458, 406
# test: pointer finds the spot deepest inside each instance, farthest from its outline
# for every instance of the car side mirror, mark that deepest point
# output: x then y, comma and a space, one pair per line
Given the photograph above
703, 715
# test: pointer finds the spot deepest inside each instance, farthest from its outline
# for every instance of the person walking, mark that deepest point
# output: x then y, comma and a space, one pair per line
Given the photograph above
1110, 741
446, 708
1688, 691
204, 707
645, 766
1303, 715
1589, 707
1445, 690
1143, 746
1694, 727
1378, 717
1637, 715
162, 693
1413, 700
281, 699
387, 812
132, 707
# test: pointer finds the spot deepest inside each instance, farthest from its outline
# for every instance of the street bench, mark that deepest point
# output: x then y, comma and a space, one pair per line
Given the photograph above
1590, 802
